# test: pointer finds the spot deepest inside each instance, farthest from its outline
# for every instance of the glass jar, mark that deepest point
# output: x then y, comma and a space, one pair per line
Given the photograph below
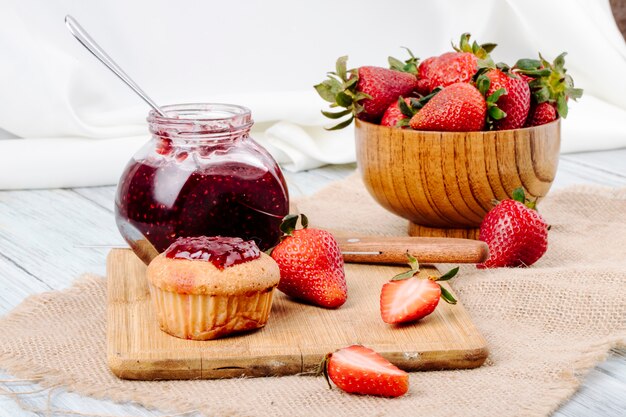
201, 174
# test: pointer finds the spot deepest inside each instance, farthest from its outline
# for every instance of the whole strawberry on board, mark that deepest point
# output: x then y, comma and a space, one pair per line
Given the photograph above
551, 88
359, 370
459, 107
515, 232
408, 298
364, 92
311, 264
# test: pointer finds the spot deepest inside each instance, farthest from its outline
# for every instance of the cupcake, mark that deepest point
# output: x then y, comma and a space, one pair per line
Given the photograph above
207, 287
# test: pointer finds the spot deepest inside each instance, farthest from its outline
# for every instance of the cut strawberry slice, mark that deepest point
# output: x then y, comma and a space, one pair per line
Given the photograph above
408, 298
359, 370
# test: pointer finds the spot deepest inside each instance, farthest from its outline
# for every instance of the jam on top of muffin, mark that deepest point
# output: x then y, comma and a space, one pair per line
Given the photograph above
220, 251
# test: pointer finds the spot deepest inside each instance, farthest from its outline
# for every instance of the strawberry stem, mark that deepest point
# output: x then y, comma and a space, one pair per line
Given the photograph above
322, 369
447, 296
410, 65
519, 195
415, 268
449, 275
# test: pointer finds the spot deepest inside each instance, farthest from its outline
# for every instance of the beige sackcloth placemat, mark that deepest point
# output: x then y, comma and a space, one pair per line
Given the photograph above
545, 326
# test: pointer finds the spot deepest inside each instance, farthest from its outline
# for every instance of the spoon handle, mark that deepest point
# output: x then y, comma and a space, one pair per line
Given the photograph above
83, 37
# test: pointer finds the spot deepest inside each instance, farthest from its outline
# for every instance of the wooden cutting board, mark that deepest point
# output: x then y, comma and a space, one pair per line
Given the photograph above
295, 338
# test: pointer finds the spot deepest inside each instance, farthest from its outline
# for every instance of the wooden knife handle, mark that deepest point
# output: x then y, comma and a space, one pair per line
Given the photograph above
392, 250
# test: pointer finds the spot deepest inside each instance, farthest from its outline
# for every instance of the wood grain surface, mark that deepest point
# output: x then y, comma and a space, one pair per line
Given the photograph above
138, 349
450, 179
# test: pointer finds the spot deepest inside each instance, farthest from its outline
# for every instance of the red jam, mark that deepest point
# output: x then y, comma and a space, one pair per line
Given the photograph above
203, 179
162, 203
220, 251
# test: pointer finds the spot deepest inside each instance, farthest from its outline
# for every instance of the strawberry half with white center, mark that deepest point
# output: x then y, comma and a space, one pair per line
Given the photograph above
515, 232
408, 298
359, 370
311, 264
364, 92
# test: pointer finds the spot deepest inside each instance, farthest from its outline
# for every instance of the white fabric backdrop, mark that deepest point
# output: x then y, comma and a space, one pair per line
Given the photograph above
81, 125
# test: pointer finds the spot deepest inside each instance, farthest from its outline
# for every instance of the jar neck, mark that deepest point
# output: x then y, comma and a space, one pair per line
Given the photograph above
201, 124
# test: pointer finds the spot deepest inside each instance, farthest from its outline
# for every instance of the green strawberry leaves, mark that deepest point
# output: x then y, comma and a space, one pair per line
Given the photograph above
519, 195
410, 65
290, 221
550, 82
340, 91
415, 268
449, 275
337, 115
446, 296
493, 111
481, 51
415, 104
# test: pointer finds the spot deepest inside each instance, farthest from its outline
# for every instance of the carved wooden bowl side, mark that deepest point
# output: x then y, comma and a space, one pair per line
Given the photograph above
445, 182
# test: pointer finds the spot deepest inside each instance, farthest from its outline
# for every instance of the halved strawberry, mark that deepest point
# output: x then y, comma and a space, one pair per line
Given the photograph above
359, 370
409, 298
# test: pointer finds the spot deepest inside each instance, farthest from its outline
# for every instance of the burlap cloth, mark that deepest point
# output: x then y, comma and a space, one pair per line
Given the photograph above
545, 326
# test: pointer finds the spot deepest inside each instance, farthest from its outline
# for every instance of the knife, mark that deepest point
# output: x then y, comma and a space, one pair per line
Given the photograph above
393, 250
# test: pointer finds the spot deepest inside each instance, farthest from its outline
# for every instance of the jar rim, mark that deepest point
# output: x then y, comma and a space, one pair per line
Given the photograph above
212, 118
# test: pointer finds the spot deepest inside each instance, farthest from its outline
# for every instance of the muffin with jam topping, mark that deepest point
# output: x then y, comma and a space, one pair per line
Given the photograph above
207, 287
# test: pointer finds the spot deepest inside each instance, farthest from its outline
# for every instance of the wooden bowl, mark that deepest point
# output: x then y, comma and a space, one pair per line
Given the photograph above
445, 182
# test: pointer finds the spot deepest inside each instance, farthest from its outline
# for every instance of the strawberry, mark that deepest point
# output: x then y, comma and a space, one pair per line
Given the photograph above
458, 107
409, 298
311, 265
541, 114
393, 115
400, 113
423, 78
454, 67
365, 92
550, 83
515, 103
359, 370
515, 232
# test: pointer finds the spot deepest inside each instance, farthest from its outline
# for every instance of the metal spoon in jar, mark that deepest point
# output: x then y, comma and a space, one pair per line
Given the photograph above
83, 37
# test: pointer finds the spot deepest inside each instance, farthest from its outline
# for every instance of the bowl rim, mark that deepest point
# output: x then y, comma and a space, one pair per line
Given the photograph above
367, 124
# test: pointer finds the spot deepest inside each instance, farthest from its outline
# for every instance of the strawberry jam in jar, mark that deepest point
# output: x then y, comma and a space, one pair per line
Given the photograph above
201, 174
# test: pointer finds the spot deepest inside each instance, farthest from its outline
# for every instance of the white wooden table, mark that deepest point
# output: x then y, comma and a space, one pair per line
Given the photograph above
51, 223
